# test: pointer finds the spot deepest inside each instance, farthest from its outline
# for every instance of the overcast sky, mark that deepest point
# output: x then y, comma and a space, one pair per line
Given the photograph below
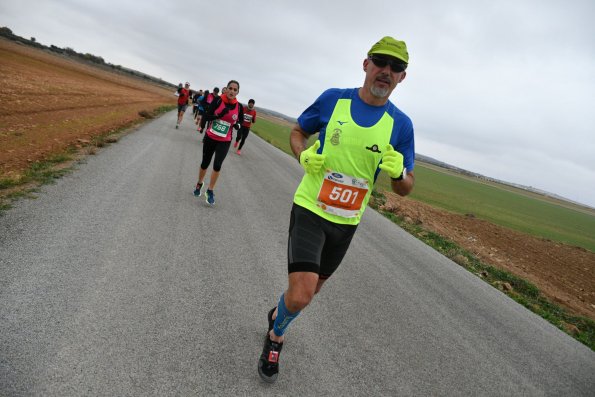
504, 88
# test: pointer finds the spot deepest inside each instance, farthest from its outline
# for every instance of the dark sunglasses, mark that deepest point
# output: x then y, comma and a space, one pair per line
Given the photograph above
395, 66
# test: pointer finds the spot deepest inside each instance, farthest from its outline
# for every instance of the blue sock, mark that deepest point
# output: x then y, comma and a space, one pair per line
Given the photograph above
284, 317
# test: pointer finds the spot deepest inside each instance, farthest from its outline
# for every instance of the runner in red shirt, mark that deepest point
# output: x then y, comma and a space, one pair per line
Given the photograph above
249, 118
183, 95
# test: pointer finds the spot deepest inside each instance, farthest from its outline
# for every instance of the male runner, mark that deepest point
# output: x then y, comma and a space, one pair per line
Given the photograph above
361, 133
249, 119
196, 103
183, 94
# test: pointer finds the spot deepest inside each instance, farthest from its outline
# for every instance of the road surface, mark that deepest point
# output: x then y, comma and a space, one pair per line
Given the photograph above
116, 280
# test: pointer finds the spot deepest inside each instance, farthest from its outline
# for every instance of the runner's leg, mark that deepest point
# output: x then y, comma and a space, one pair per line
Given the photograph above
208, 150
245, 131
203, 122
221, 150
305, 245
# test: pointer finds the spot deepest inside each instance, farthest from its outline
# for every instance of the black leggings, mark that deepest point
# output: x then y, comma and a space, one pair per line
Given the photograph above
218, 148
242, 135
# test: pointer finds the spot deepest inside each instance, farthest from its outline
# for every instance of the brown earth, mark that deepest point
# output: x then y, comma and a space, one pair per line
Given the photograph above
48, 103
564, 273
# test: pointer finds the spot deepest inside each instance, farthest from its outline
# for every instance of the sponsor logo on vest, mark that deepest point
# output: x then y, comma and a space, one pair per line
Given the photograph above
342, 122
335, 137
373, 148
357, 183
335, 176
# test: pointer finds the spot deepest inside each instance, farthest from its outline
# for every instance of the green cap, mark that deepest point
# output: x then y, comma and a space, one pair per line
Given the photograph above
389, 46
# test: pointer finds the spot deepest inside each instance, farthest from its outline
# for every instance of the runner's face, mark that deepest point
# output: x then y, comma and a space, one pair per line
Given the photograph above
381, 82
232, 90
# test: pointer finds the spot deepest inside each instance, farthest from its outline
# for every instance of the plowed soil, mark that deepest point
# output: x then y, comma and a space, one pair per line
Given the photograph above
564, 273
48, 102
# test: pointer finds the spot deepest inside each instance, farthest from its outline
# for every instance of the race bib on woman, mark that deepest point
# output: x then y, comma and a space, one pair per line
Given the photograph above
220, 128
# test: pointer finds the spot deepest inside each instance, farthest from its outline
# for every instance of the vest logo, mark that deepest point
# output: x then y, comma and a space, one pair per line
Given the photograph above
357, 183
342, 122
335, 176
336, 136
373, 148
234, 117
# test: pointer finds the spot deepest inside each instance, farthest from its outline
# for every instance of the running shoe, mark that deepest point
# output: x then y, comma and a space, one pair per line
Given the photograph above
235, 144
238, 152
270, 318
197, 190
210, 197
268, 363
177, 126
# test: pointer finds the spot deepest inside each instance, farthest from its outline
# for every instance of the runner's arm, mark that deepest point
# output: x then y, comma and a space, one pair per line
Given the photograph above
240, 117
404, 186
298, 140
210, 114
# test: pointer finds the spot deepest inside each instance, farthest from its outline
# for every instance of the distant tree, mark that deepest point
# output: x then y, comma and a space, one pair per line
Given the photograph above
33, 39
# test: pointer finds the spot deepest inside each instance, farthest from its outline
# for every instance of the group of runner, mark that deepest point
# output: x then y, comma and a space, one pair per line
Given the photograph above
360, 133
217, 116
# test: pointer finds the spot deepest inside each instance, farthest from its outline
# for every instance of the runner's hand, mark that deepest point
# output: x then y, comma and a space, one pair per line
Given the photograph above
392, 162
310, 160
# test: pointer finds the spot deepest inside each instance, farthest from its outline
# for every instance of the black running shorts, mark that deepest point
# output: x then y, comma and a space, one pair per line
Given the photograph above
316, 244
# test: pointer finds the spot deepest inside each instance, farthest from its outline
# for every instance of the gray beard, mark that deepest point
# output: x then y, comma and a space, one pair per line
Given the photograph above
379, 92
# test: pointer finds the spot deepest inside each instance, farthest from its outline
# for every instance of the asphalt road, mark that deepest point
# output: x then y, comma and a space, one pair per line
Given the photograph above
117, 281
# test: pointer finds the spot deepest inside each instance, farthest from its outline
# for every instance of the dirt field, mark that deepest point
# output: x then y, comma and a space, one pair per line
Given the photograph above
564, 273
48, 103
